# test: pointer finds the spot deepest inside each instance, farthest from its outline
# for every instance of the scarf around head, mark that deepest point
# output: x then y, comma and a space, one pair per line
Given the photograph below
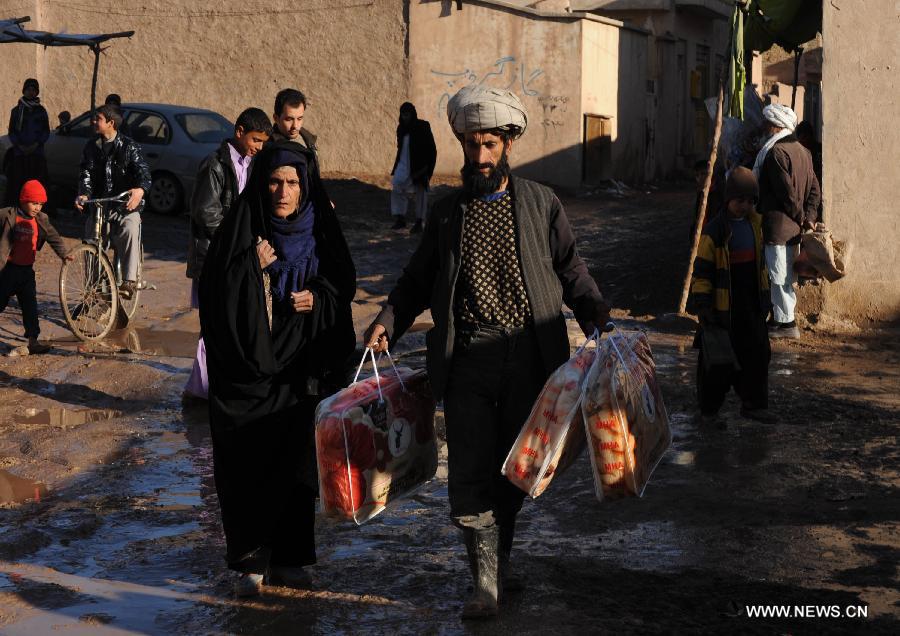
405, 129
292, 237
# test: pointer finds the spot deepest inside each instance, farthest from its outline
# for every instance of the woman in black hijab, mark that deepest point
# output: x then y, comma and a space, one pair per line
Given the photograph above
275, 295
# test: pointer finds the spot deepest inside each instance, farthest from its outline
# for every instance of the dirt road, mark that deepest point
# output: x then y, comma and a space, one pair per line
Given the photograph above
109, 520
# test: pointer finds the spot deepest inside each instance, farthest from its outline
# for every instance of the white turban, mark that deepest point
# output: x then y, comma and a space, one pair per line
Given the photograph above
475, 108
781, 116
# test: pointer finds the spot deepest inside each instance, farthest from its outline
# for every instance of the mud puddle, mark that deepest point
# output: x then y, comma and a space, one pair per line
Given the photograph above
119, 543
64, 418
144, 340
15, 489
155, 342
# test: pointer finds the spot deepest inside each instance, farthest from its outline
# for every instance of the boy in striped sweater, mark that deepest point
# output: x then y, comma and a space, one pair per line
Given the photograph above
730, 290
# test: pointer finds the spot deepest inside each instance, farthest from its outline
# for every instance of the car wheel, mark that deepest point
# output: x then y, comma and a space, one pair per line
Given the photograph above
165, 194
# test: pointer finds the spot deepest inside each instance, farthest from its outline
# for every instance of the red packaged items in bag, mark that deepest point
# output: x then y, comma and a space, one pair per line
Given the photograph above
553, 435
375, 443
624, 416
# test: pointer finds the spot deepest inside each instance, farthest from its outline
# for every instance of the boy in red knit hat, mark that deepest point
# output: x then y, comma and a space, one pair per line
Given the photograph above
23, 231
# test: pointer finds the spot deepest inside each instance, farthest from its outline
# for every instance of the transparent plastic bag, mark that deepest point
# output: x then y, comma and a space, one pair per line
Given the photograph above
375, 442
553, 435
625, 419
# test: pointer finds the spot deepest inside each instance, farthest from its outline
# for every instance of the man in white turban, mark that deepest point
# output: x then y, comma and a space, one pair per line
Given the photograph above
789, 201
496, 261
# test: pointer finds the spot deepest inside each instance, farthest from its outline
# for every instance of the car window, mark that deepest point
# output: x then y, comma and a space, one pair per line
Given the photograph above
205, 128
81, 127
147, 128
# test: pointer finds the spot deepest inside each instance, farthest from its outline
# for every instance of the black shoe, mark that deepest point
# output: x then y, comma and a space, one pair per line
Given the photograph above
416, 228
509, 581
481, 546
399, 223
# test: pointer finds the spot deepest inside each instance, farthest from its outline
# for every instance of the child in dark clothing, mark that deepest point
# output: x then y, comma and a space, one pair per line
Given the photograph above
730, 290
23, 231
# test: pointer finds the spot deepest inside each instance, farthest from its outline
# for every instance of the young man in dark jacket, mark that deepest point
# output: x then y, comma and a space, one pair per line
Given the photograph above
413, 167
221, 178
110, 164
496, 261
23, 231
29, 129
789, 197
730, 291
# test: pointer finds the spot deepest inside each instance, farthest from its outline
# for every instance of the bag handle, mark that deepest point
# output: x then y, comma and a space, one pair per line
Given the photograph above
394, 367
370, 352
595, 337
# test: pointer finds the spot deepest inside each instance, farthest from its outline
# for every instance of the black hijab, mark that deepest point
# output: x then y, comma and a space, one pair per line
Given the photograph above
255, 371
407, 128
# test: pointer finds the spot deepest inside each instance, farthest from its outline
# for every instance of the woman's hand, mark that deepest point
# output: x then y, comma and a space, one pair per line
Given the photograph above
302, 301
265, 253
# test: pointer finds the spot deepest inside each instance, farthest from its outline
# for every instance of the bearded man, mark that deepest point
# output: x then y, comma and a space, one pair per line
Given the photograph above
496, 261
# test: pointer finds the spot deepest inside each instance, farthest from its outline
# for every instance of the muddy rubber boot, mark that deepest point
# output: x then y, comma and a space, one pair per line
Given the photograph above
481, 546
509, 582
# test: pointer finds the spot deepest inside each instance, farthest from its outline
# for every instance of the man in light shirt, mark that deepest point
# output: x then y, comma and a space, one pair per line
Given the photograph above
222, 177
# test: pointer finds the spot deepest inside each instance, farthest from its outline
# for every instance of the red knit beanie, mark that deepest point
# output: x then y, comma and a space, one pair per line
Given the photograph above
33, 192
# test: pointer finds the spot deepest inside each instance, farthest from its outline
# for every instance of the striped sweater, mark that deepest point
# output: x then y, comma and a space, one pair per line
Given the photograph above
711, 281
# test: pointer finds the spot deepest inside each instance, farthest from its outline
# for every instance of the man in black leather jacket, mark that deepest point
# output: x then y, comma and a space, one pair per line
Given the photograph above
219, 182
112, 163
221, 178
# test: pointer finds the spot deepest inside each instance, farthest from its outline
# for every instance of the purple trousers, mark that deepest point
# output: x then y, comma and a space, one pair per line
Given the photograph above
198, 384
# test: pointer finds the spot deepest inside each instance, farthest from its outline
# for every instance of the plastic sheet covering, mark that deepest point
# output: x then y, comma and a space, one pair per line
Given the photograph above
375, 443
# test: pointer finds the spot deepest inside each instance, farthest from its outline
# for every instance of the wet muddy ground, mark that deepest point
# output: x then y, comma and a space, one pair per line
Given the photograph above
109, 520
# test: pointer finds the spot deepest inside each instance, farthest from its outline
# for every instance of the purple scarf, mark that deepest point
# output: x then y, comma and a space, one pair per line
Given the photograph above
295, 247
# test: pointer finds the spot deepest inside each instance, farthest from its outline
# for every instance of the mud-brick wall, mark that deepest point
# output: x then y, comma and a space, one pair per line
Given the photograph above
348, 56
536, 57
861, 145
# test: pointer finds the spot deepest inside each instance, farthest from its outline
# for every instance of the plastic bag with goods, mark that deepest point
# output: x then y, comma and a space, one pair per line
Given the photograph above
375, 443
553, 435
624, 415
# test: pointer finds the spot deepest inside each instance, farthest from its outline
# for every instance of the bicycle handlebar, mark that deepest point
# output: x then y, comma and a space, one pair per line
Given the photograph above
122, 197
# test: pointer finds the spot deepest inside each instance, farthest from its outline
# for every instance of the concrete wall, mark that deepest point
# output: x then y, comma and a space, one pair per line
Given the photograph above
226, 55
536, 57
861, 82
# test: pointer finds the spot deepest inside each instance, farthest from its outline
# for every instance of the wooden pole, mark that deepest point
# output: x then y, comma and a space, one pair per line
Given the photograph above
701, 213
96, 50
797, 53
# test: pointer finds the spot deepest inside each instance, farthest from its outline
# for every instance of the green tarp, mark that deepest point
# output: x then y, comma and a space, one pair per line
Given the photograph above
787, 23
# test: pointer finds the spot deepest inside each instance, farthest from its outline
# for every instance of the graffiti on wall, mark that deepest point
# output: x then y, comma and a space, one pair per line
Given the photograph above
507, 73
553, 107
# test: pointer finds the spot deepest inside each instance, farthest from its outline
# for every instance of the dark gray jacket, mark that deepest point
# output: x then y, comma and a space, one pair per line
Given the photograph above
214, 194
551, 269
789, 192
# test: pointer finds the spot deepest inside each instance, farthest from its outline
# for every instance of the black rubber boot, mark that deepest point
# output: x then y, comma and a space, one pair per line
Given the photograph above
481, 546
509, 582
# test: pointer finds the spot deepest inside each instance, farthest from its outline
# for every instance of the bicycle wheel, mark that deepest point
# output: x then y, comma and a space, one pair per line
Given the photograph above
87, 293
129, 305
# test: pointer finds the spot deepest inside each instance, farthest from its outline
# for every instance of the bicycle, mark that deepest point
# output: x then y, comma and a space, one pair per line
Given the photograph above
89, 293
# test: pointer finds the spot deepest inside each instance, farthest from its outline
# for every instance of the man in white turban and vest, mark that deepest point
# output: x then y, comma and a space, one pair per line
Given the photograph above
495, 264
789, 198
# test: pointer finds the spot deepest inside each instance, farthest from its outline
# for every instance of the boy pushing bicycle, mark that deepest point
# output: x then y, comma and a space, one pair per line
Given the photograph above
111, 163
23, 231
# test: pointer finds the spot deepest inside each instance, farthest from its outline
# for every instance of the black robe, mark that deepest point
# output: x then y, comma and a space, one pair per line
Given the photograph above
264, 384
